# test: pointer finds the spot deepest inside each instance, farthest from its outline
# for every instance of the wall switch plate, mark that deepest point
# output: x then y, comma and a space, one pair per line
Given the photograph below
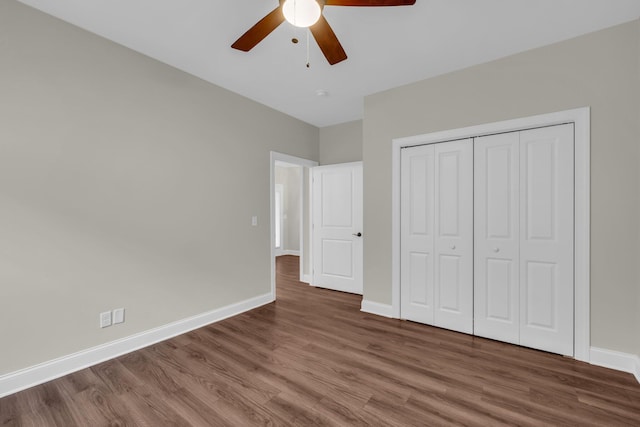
105, 319
254, 220
118, 315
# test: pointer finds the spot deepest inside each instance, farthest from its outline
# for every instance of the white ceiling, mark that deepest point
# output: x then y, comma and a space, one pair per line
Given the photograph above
387, 46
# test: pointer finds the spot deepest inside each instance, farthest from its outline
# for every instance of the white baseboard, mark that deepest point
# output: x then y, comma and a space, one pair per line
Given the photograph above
306, 278
47, 371
616, 360
287, 252
377, 308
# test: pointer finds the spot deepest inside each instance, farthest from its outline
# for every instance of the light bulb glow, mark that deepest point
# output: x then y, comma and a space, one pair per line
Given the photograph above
301, 13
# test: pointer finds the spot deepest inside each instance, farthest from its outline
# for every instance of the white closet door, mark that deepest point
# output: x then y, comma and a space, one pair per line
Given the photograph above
416, 258
496, 229
546, 239
453, 249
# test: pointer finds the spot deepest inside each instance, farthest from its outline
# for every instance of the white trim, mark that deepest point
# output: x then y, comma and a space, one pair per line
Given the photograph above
308, 258
340, 165
582, 233
616, 360
396, 190
581, 119
274, 156
301, 226
47, 371
377, 308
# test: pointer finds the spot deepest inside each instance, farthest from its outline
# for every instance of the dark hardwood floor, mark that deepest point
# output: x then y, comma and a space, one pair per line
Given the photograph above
312, 358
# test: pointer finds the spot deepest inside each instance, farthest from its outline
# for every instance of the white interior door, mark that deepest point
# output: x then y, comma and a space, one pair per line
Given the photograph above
497, 237
437, 235
546, 238
337, 227
417, 207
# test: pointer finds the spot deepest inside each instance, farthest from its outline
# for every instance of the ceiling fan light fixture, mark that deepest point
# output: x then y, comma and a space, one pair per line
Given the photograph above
301, 13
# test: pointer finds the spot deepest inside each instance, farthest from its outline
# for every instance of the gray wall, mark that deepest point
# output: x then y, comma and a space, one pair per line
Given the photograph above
289, 178
115, 189
600, 70
341, 143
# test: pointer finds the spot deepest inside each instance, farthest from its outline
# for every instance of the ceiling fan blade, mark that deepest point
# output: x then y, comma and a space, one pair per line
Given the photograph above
369, 2
328, 41
259, 31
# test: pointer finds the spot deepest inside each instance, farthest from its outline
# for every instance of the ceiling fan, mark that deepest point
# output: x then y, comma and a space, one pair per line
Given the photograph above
308, 13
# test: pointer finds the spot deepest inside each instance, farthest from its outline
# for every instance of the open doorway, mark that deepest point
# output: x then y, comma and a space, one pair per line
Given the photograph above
290, 216
288, 209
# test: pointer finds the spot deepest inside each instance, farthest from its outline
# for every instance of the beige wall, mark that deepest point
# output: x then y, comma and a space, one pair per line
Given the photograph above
341, 143
599, 70
115, 189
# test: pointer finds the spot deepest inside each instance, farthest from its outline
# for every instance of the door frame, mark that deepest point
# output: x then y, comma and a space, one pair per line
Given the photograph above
275, 156
581, 118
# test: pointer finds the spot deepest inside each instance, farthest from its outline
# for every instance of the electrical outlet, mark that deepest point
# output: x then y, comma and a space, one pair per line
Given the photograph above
118, 315
254, 220
105, 319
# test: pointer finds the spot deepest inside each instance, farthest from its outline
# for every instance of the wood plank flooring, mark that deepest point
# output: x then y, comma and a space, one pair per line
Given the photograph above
312, 358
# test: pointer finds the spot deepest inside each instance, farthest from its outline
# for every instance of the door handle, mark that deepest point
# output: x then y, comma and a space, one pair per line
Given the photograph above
357, 234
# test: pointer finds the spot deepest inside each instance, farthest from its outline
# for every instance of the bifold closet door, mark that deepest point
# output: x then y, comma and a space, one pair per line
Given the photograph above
546, 238
523, 251
417, 241
437, 235
497, 237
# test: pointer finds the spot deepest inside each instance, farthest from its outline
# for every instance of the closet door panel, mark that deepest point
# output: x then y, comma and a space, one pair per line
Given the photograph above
496, 241
453, 283
417, 224
546, 239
